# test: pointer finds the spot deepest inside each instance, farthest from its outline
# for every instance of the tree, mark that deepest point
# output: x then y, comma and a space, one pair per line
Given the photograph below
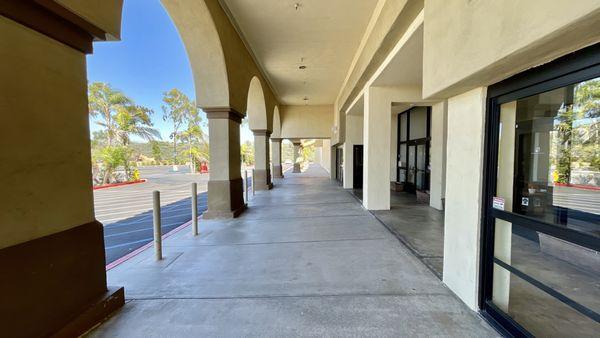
156, 152
104, 103
135, 120
247, 152
113, 157
118, 115
178, 110
120, 118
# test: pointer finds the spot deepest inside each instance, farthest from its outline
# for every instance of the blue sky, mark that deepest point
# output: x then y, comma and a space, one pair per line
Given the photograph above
149, 60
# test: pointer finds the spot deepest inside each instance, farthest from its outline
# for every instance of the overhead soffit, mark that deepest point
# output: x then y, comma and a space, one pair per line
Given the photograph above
321, 35
406, 68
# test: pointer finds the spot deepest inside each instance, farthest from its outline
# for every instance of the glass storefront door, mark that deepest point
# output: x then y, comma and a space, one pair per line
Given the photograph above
541, 272
413, 149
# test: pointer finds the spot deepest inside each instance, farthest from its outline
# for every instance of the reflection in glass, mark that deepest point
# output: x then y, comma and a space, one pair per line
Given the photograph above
421, 179
411, 164
549, 156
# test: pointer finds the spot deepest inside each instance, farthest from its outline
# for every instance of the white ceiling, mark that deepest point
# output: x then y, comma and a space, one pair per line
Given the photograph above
323, 35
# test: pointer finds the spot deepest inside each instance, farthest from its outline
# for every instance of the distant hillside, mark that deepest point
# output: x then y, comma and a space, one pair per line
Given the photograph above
139, 148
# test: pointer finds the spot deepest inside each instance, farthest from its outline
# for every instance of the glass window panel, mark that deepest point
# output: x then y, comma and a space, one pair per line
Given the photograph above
537, 311
421, 157
402, 177
569, 269
402, 160
403, 126
549, 156
418, 123
411, 164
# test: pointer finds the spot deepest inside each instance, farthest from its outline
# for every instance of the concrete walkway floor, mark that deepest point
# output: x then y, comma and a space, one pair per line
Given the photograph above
305, 260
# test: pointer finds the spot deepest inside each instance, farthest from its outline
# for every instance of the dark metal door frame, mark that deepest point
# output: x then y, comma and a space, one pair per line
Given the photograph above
576, 67
408, 186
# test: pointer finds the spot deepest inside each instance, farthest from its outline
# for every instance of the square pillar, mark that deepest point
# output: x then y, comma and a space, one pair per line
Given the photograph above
262, 170
464, 179
439, 124
297, 146
225, 186
52, 258
377, 147
354, 136
276, 157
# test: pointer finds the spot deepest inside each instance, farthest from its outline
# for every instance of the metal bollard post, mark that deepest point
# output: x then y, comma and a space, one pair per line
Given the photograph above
253, 191
157, 228
194, 209
246, 184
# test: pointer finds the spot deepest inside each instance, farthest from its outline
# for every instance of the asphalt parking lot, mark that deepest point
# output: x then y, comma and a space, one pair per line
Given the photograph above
126, 211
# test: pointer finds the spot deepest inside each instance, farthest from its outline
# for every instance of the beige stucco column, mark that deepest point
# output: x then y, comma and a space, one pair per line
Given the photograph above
262, 170
464, 179
51, 246
437, 189
276, 157
297, 144
376, 136
225, 190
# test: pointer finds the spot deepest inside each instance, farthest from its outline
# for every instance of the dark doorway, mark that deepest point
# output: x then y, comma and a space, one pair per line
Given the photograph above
357, 182
339, 165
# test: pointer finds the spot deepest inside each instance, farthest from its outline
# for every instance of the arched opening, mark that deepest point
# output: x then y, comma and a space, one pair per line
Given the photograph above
256, 113
256, 110
146, 126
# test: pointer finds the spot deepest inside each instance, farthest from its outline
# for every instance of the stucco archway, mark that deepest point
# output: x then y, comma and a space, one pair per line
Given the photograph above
256, 114
256, 111
197, 29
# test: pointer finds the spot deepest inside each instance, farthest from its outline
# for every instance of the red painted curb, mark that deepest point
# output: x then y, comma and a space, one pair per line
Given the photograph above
119, 184
144, 247
577, 186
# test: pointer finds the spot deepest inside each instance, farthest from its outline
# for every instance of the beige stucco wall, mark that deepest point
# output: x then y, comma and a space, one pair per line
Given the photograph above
326, 155
499, 38
45, 166
104, 14
464, 177
306, 121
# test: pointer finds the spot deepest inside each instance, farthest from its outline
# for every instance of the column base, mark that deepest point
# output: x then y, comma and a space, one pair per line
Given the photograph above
297, 168
57, 282
262, 179
277, 171
225, 199
220, 214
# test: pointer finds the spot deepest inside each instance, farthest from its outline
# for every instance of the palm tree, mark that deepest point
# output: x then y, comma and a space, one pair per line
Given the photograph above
104, 102
135, 120
118, 115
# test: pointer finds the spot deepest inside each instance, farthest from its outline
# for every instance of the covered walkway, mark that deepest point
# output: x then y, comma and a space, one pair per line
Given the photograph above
305, 259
